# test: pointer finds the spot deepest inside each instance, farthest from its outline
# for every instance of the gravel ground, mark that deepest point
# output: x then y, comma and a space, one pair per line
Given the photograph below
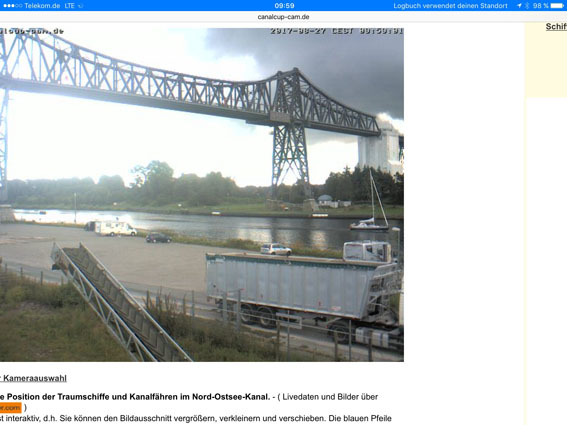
131, 260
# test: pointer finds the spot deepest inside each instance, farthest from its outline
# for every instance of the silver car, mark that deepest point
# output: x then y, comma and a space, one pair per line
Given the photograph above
275, 249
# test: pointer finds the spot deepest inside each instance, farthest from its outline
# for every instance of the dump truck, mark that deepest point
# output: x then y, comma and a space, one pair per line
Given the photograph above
352, 296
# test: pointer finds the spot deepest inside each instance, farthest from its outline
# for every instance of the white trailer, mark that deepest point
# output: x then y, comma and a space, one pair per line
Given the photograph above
343, 293
113, 228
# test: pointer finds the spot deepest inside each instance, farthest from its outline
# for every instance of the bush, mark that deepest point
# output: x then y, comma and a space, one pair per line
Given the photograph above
58, 296
14, 289
16, 294
210, 340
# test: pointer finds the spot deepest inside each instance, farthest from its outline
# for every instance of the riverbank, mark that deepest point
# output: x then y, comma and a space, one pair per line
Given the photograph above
244, 244
322, 234
355, 212
249, 245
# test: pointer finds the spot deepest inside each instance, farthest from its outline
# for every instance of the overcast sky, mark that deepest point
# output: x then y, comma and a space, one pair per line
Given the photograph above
58, 137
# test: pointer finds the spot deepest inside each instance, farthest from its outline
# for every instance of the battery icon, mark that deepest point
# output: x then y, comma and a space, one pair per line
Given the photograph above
556, 5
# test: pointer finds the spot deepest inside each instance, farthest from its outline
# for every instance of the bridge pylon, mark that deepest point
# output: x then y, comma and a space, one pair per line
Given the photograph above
4, 95
290, 153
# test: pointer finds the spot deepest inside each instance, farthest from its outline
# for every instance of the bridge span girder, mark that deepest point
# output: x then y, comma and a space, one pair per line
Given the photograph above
287, 101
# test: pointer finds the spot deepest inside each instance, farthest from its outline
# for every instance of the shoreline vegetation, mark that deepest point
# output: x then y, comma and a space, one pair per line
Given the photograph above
155, 189
355, 212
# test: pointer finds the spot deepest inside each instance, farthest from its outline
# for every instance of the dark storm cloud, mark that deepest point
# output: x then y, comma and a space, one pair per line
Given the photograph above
365, 72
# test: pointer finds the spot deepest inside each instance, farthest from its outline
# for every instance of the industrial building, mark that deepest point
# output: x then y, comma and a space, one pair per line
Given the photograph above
385, 152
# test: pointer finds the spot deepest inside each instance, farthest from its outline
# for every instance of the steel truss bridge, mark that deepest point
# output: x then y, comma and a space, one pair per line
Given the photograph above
39, 62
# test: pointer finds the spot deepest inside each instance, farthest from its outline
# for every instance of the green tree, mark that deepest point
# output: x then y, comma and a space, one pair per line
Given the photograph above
154, 181
110, 189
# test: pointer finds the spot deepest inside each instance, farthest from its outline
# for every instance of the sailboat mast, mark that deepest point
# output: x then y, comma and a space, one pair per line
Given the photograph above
372, 194
380, 201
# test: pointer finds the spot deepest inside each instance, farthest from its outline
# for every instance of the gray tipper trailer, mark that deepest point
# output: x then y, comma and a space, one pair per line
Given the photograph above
297, 288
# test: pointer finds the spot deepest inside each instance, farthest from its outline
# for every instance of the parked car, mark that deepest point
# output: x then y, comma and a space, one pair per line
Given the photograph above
158, 237
275, 249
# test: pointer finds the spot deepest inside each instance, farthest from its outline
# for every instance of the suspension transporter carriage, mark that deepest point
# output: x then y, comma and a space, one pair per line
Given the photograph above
353, 298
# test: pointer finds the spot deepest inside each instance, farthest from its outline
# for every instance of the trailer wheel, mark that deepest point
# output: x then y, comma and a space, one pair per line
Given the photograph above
342, 332
246, 314
266, 317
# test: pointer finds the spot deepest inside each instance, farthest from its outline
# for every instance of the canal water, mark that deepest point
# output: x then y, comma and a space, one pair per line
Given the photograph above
310, 232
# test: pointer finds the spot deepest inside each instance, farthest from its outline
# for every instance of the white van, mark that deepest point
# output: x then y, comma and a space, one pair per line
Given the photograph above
112, 228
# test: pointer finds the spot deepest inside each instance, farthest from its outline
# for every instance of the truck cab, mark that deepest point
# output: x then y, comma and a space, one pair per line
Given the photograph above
374, 251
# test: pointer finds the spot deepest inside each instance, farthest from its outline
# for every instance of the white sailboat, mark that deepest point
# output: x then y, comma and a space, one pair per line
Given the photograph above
370, 223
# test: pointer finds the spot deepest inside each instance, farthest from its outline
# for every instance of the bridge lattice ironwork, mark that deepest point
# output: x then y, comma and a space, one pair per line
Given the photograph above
35, 61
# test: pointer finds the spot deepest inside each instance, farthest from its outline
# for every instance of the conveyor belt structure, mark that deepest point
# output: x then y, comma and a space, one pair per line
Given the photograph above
128, 321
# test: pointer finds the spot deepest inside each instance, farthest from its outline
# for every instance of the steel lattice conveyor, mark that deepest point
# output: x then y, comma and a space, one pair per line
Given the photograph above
142, 337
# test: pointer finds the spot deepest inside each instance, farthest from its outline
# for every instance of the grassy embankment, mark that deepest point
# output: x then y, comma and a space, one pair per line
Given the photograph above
249, 245
52, 323
261, 209
236, 209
